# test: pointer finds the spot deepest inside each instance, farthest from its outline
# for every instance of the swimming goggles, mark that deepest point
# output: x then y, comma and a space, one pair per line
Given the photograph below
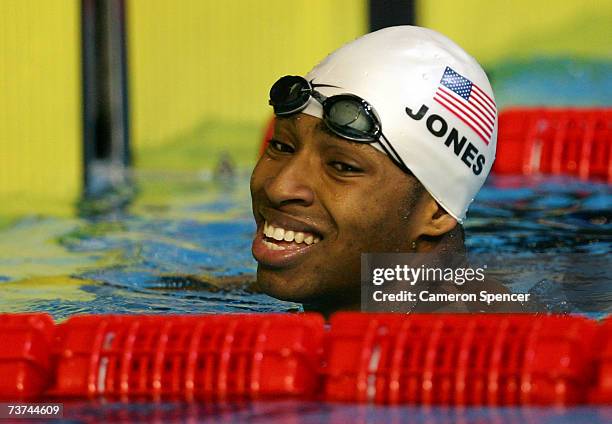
346, 115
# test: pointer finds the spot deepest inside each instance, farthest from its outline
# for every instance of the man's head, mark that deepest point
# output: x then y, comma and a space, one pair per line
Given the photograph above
320, 199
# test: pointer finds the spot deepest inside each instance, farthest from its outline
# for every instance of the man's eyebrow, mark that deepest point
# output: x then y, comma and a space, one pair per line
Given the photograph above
322, 126
290, 120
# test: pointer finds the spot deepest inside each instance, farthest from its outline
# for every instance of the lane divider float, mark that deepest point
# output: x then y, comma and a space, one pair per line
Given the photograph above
418, 359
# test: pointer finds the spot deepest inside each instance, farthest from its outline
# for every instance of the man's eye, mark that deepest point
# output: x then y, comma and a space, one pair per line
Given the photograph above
344, 167
280, 147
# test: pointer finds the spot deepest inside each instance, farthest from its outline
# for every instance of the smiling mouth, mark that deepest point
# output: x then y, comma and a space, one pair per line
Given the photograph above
278, 238
278, 247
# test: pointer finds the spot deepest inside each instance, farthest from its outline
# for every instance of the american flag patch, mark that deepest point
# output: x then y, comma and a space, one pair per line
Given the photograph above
468, 102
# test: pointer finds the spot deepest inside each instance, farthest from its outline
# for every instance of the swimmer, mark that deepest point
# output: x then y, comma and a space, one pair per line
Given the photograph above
373, 151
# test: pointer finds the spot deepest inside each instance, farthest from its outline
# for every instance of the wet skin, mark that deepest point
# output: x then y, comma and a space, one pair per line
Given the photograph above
349, 196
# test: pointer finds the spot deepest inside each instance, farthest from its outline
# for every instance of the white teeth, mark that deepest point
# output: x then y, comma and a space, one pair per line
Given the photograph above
279, 234
268, 230
273, 246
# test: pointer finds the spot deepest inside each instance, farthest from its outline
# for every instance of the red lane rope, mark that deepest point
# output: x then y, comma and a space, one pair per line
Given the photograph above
435, 359
555, 141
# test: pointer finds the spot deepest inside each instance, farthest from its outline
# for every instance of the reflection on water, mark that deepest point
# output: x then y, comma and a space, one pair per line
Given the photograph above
551, 237
181, 243
289, 412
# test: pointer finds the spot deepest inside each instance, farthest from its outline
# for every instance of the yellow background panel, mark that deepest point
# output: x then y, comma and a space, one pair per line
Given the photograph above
495, 30
200, 71
40, 109
196, 63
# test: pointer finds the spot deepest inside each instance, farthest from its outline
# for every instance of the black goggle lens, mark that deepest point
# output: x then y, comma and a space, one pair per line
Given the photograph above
348, 116
289, 95
345, 114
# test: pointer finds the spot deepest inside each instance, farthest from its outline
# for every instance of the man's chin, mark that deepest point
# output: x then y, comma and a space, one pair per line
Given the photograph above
286, 288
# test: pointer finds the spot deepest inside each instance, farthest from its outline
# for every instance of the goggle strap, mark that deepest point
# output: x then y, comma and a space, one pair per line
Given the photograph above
388, 147
322, 85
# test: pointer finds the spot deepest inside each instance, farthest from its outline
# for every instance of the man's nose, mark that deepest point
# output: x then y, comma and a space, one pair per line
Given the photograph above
294, 183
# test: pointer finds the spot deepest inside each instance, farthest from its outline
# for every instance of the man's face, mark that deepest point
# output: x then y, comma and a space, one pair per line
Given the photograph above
332, 200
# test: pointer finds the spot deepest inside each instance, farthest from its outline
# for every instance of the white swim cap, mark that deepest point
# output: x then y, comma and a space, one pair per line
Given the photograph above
435, 104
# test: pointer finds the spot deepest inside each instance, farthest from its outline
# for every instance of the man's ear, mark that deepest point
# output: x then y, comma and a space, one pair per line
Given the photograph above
436, 220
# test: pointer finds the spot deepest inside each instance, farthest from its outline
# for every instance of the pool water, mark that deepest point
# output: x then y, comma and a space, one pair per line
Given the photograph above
299, 412
180, 243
